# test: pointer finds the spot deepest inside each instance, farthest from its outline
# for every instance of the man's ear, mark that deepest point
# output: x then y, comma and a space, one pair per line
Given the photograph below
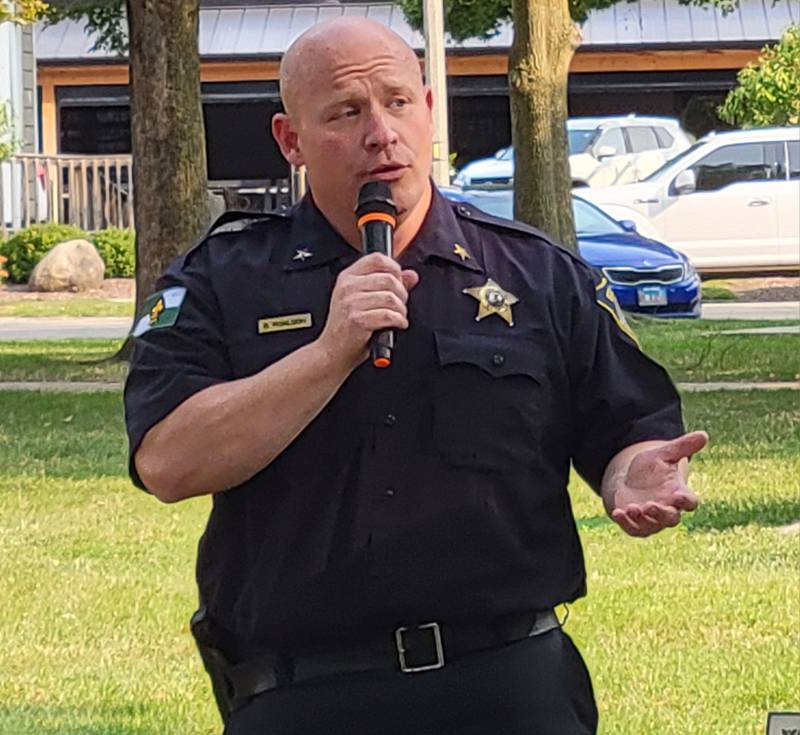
286, 137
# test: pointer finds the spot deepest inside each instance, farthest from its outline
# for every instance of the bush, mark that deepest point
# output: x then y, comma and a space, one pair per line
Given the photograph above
117, 249
25, 249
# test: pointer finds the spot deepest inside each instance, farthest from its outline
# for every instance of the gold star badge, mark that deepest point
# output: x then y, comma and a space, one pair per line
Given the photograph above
460, 252
493, 299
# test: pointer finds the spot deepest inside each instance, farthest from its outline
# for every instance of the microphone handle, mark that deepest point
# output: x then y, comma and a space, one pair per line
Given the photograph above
376, 237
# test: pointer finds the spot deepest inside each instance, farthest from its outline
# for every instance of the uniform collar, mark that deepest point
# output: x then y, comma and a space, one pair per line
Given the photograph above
312, 239
441, 237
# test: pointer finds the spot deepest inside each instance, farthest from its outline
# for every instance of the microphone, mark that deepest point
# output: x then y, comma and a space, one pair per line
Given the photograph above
376, 217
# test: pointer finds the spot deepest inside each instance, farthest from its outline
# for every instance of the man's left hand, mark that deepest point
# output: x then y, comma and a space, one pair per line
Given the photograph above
651, 492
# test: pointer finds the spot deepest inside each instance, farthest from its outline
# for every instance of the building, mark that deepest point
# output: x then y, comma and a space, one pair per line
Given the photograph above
646, 56
18, 98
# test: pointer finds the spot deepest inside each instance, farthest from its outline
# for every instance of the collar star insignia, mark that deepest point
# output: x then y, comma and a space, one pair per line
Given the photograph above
493, 299
460, 252
302, 254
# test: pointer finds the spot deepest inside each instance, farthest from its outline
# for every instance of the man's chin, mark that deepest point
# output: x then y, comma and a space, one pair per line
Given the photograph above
407, 200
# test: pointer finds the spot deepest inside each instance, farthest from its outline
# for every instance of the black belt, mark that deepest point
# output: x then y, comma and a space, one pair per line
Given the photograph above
412, 649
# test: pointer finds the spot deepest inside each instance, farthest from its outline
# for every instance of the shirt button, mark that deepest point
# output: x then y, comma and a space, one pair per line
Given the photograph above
389, 492
498, 359
390, 419
464, 211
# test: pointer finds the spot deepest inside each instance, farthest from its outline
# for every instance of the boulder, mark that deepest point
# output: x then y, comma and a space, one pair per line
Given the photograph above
74, 265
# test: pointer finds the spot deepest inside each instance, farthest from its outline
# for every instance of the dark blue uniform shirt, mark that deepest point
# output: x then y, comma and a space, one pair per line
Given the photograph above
432, 490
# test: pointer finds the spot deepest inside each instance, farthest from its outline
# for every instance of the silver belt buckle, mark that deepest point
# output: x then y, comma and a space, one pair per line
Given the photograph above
436, 633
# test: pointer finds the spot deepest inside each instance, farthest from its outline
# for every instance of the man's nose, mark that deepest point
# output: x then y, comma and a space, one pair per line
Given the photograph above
380, 131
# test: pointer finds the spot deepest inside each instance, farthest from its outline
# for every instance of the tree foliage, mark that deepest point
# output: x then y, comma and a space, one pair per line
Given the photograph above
105, 18
482, 18
21, 11
7, 142
768, 92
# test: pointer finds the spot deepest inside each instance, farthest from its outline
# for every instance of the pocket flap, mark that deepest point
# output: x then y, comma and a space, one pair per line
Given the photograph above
497, 356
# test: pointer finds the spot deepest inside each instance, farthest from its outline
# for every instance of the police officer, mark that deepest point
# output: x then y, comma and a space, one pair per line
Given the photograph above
386, 547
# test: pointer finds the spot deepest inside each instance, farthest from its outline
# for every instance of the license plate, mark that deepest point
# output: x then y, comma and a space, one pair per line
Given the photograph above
651, 296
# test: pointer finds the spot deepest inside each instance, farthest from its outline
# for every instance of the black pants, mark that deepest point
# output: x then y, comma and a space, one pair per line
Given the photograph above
538, 686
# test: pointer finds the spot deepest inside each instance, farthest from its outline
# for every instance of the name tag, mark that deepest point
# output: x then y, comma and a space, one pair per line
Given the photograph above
284, 323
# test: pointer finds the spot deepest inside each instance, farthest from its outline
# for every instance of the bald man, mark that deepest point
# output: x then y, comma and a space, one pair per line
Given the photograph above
386, 547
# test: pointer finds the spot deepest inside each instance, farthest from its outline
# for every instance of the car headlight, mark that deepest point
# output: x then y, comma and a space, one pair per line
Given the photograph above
460, 180
689, 270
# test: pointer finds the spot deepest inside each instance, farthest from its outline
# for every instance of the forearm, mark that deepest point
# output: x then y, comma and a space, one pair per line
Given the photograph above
225, 434
617, 470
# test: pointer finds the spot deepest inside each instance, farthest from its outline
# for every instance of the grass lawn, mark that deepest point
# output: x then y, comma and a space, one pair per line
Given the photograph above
692, 632
699, 350
691, 350
61, 359
718, 290
67, 307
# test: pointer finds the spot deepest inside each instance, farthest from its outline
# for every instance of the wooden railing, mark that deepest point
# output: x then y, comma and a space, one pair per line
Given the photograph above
91, 192
96, 192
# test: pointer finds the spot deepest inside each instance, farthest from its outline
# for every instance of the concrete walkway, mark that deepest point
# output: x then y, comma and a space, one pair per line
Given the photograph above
751, 310
87, 327
67, 386
90, 327
705, 387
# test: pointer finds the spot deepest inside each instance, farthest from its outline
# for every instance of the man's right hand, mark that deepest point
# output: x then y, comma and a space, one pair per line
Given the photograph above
368, 296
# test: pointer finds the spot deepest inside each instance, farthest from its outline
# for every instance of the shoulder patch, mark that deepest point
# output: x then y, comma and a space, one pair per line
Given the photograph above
607, 299
160, 310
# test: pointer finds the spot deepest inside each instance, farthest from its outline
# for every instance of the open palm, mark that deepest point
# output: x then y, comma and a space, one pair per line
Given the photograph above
653, 492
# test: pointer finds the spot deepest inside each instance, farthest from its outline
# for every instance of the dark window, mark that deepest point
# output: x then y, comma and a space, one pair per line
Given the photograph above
665, 138
641, 139
612, 138
95, 130
732, 163
239, 144
479, 125
794, 159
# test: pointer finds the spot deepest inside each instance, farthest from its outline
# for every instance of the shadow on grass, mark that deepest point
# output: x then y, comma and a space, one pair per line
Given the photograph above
721, 515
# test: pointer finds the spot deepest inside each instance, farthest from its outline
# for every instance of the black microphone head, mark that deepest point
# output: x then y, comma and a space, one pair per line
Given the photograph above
375, 196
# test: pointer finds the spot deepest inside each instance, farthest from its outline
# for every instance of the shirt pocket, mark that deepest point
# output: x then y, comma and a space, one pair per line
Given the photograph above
488, 400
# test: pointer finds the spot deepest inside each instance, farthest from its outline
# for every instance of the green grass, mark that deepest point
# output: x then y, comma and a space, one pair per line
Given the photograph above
718, 290
691, 351
694, 631
64, 359
67, 307
698, 350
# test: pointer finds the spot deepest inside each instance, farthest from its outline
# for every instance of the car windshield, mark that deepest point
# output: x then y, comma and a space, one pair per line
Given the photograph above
653, 176
590, 221
505, 154
580, 140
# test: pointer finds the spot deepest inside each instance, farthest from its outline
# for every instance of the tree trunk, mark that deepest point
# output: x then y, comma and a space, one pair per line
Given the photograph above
170, 179
545, 39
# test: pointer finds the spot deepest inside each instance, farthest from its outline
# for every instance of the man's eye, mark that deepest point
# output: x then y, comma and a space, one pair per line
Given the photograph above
398, 103
344, 112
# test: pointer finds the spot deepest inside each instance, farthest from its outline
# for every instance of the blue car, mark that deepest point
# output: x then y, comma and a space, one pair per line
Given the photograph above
647, 276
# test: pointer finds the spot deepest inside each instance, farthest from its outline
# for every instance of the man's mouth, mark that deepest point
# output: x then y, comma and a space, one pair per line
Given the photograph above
389, 172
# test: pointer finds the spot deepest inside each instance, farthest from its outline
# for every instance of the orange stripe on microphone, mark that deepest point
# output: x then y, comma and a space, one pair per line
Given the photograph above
376, 217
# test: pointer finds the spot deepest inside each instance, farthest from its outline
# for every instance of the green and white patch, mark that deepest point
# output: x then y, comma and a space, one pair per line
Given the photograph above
160, 310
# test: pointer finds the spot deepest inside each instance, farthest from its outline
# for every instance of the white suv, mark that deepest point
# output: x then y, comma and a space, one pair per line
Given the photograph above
602, 151
730, 202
